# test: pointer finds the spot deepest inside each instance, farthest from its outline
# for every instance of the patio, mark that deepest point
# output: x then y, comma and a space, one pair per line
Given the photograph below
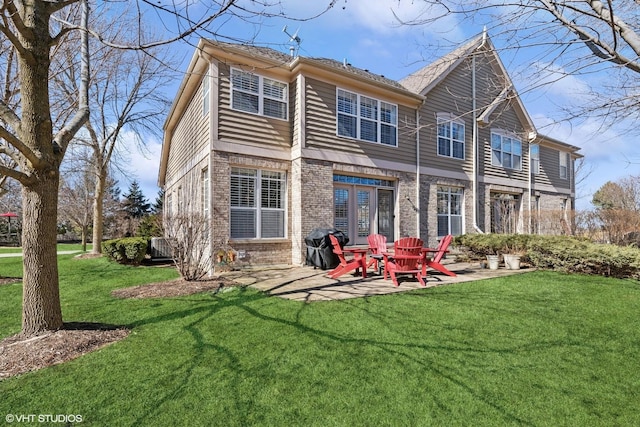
309, 284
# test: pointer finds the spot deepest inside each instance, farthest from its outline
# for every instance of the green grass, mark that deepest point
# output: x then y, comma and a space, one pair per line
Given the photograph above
61, 247
537, 349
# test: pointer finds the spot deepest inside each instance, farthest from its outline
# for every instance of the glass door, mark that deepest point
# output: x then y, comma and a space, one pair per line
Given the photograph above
385, 214
364, 213
361, 210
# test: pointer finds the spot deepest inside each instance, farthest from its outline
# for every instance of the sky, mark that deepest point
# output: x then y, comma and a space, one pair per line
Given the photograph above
367, 34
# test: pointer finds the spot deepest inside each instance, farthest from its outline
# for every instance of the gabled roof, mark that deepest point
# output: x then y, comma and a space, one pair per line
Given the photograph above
423, 80
428, 77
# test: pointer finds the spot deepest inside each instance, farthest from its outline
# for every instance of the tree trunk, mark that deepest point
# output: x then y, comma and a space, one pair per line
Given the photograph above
41, 310
98, 219
84, 238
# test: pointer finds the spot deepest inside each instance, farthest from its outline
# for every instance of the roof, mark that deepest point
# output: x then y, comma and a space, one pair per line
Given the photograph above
425, 78
358, 72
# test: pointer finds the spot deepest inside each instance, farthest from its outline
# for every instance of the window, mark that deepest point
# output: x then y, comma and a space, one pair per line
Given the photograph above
257, 204
449, 211
205, 95
168, 204
258, 95
506, 151
534, 152
365, 118
204, 190
450, 138
564, 165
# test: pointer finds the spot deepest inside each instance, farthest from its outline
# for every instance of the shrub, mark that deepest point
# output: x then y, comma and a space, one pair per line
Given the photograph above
560, 253
130, 250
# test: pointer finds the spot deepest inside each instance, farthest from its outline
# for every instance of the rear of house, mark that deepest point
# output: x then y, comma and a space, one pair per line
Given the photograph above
270, 146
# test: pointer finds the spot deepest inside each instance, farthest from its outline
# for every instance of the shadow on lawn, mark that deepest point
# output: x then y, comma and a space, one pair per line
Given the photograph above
398, 351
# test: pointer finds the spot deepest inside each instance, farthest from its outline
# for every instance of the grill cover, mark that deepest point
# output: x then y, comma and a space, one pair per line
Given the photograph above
319, 249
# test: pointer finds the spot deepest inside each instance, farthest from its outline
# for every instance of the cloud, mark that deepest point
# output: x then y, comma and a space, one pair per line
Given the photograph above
378, 17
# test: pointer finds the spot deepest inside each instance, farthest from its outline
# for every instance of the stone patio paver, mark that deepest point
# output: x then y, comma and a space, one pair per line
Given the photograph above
309, 284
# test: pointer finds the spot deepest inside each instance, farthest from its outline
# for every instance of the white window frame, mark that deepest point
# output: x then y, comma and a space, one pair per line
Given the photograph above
534, 156
446, 121
367, 110
447, 192
256, 182
506, 149
564, 165
206, 89
262, 93
204, 191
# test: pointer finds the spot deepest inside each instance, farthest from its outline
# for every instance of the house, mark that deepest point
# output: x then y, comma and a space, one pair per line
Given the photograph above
270, 146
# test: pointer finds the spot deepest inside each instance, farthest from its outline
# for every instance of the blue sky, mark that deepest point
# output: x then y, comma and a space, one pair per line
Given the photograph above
367, 35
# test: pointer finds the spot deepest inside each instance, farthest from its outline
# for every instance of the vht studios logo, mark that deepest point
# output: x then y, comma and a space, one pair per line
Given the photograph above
43, 418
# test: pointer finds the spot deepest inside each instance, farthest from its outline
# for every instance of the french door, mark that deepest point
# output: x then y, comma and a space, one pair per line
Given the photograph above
361, 210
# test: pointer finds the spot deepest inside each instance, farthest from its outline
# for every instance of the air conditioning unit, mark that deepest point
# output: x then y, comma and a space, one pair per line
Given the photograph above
160, 248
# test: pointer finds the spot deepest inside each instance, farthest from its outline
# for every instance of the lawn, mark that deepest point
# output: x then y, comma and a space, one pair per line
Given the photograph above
537, 348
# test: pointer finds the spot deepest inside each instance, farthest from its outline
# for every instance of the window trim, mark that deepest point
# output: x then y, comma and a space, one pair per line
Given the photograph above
359, 118
504, 134
450, 119
534, 158
563, 155
204, 188
260, 94
206, 90
258, 208
450, 190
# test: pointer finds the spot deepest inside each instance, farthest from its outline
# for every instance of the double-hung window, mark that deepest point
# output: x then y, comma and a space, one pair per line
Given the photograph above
564, 165
257, 204
449, 211
506, 151
534, 153
450, 137
365, 118
258, 95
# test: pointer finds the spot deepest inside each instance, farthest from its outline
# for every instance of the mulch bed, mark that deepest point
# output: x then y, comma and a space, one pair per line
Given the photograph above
19, 355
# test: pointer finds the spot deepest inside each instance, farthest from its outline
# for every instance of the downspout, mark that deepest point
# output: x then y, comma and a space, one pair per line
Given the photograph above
474, 135
532, 138
417, 204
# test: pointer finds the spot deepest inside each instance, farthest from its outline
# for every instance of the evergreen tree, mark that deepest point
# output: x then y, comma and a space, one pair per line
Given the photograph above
135, 205
158, 204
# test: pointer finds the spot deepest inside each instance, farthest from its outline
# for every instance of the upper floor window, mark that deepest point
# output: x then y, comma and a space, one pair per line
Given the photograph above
534, 153
506, 151
257, 203
564, 165
367, 118
258, 95
206, 84
450, 137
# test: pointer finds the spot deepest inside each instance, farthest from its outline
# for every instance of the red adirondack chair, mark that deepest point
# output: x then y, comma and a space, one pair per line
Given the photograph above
438, 253
358, 261
377, 245
406, 258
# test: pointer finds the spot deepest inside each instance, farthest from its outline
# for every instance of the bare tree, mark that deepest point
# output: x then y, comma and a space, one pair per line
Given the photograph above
125, 96
618, 208
35, 28
187, 233
76, 201
564, 39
